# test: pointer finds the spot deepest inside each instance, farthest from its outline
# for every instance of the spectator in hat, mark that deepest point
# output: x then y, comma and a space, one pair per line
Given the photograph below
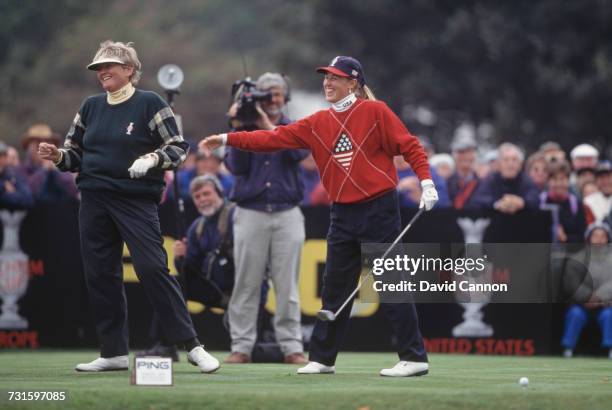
463, 182
596, 292
552, 152
508, 190
444, 165
14, 190
537, 169
600, 203
46, 182
568, 213
583, 156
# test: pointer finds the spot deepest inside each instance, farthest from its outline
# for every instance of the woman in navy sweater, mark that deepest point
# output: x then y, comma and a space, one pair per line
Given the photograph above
120, 143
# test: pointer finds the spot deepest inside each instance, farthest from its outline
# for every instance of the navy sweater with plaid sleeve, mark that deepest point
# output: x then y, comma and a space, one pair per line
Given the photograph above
104, 140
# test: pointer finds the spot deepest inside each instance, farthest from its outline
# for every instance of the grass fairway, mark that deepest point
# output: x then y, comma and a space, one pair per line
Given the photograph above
454, 382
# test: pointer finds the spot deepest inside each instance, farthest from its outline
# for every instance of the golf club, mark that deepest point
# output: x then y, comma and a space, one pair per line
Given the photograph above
328, 315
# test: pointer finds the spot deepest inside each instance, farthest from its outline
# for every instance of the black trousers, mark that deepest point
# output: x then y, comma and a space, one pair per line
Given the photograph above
107, 219
351, 225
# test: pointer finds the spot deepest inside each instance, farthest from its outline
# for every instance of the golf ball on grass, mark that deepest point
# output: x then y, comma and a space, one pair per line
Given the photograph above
524, 382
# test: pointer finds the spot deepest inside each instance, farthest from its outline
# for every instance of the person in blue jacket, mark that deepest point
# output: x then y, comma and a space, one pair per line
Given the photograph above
268, 232
14, 190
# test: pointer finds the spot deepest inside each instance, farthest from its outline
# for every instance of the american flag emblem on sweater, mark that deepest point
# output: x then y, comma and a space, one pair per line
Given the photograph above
343, 151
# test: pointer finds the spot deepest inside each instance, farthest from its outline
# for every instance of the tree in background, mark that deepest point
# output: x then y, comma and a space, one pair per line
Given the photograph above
533, 70
522, 71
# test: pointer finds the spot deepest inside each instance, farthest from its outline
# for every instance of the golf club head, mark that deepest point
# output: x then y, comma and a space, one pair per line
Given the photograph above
326, 315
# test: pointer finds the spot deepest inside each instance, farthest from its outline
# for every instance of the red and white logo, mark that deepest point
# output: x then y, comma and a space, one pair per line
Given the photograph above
343, 151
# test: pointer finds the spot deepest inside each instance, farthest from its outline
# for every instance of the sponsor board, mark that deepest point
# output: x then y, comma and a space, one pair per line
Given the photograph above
152, 371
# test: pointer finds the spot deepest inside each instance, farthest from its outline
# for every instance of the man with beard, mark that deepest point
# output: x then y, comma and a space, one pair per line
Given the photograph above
205, 256
269, 231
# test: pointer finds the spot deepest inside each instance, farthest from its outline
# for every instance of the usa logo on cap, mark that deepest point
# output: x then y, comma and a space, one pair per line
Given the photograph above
345, 66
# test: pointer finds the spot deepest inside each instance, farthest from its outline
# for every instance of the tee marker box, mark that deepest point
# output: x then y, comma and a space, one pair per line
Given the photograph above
152, 371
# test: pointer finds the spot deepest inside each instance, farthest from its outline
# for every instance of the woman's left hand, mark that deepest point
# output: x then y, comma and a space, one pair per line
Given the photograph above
210, 143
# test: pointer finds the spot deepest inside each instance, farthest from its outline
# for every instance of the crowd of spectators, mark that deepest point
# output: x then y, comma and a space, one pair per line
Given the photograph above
27, 179
578, 189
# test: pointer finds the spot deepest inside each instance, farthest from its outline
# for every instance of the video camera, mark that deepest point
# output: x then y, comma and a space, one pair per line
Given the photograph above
246, 95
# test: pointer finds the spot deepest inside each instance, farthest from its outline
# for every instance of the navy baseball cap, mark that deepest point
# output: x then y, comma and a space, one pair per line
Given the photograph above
344, 66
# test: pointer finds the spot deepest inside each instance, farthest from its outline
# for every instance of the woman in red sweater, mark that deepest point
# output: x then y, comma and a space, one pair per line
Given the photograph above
353, 144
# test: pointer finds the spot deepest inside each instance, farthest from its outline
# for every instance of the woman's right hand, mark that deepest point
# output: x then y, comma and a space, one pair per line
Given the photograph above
49, 152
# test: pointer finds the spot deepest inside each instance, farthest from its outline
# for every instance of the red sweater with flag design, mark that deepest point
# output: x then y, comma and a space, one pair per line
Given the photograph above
353, 149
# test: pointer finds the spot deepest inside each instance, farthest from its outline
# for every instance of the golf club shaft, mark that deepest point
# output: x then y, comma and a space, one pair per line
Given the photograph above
399, 237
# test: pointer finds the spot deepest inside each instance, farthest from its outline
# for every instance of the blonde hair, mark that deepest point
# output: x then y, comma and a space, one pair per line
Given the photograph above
366, 93
124, 52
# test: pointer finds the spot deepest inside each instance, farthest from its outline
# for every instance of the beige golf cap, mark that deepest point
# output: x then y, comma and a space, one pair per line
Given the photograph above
115, 53
103, 60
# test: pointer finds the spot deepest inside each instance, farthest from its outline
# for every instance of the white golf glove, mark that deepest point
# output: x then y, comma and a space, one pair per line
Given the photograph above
140, 167
429, 197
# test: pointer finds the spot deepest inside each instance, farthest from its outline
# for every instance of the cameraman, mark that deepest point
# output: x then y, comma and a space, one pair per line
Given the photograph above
268, 230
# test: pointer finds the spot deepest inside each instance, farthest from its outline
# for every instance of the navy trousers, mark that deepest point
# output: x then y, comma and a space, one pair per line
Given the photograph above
351, 225
107, 219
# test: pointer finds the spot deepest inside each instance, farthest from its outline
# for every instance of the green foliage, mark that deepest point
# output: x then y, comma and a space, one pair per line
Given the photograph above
533, 70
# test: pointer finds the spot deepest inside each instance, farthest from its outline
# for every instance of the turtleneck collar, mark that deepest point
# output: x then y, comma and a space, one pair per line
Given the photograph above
121, 95
345, 103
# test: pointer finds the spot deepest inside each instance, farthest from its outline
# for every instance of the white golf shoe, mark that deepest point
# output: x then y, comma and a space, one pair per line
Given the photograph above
316, 368
104, 364
406, 369
204, 360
